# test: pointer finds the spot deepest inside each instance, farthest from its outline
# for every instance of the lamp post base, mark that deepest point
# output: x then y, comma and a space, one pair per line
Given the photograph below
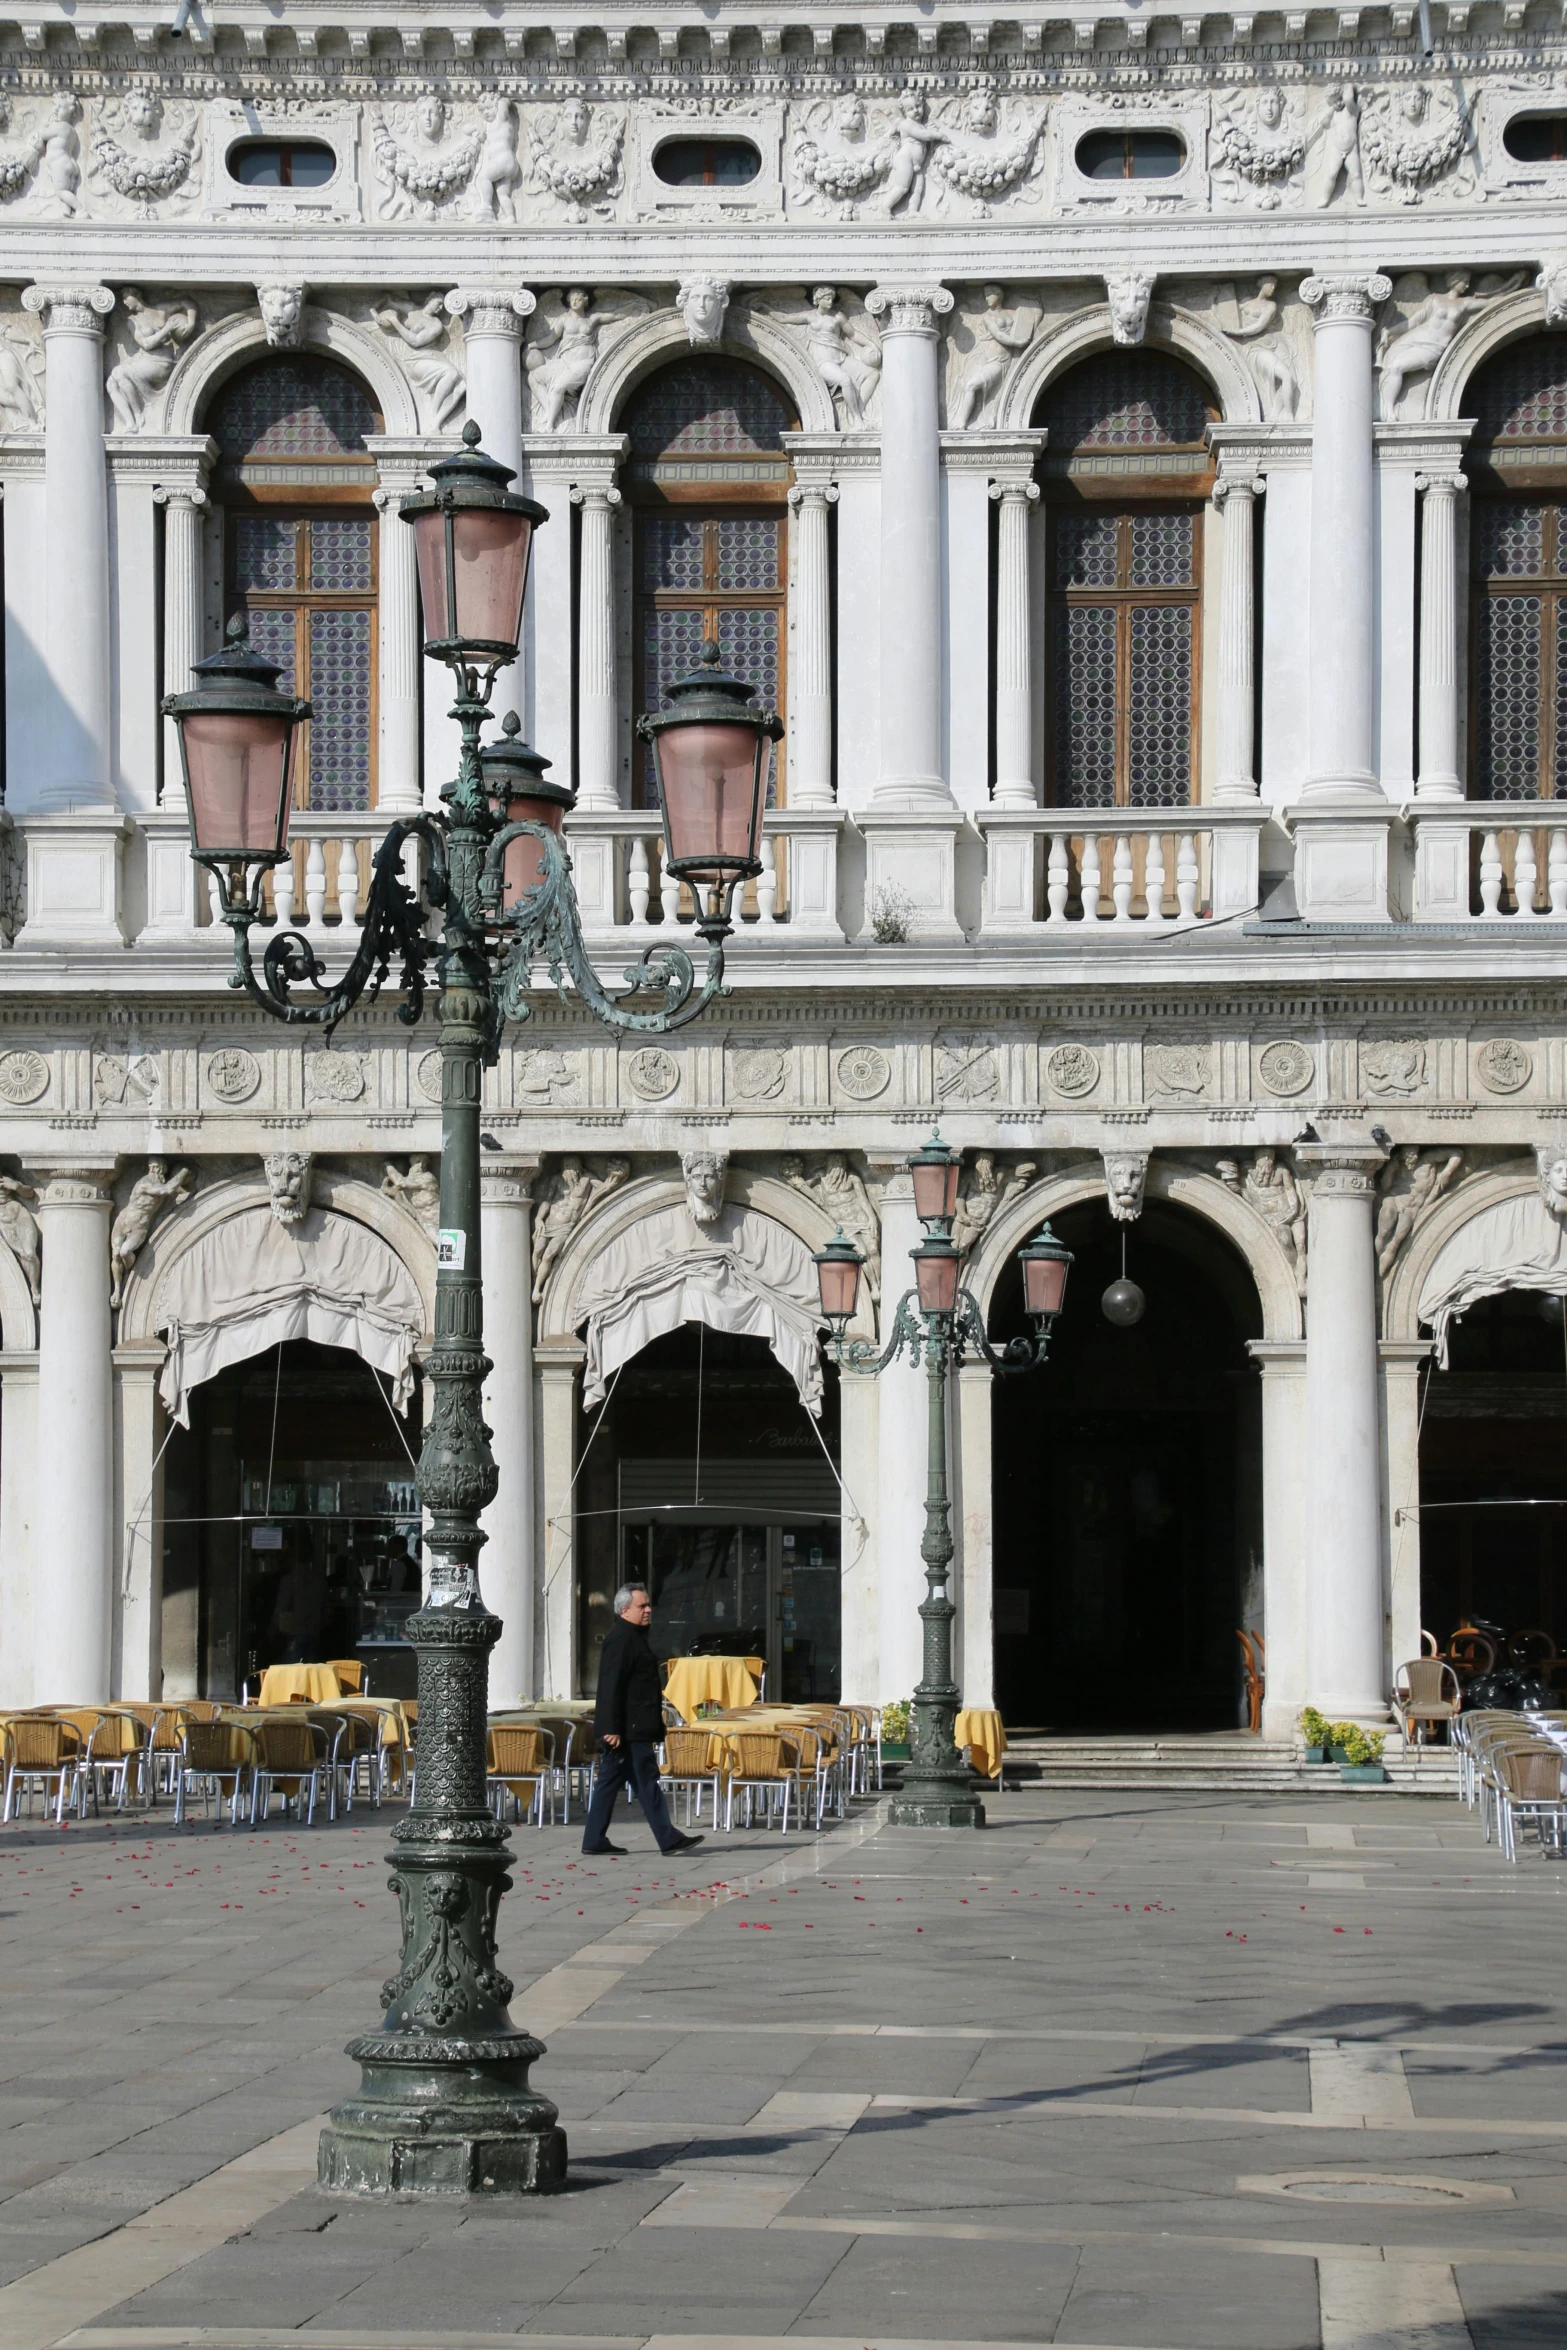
925, 1803
460, 2122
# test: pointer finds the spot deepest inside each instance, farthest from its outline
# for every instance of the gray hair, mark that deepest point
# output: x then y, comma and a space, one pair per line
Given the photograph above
626, 1594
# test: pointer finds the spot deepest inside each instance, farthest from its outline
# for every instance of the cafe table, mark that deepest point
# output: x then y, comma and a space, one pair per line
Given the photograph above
979, 1729
708, 1680
318, 1684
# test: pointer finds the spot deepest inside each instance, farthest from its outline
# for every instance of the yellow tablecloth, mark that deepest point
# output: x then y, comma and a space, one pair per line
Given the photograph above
708, 1680
980, 1731
318, 1683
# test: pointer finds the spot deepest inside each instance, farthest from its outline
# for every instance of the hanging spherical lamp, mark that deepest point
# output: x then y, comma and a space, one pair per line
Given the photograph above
1123, 1303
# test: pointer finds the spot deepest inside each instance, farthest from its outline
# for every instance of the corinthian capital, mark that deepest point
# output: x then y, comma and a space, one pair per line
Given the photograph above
908, 310
70, 309
1348, 293
491, 310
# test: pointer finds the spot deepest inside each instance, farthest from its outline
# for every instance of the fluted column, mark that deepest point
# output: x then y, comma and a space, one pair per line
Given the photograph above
493, 318
1015, 787
810, 679
74, 558
72, 1632
1341, 741
1439, 778
911, 665
1235, 495
400, 640
902, 1448
1345, 1641
506, 1218
184, 637
598, 711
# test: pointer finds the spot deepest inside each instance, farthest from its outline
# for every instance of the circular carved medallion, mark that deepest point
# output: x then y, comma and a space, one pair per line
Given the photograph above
1073, 1069
427, 1076
334, 1077
1504, 1065
758, 1075
652, 1073
23, 1076
1285, 1067
233, 1074
863, 1072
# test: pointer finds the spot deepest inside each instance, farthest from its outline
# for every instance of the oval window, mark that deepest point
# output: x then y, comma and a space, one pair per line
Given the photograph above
1130, 155
707, 163
1537, 138
281, 163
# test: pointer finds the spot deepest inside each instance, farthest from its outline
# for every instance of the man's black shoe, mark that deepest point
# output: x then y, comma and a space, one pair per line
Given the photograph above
593, 1851
684, 1844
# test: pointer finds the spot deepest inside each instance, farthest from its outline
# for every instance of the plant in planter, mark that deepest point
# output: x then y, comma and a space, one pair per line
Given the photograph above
1360, 1754
1317, 1731
895, 1730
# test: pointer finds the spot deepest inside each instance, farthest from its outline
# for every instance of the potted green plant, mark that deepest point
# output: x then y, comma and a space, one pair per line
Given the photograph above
1360, 1754
1317, 1731
895, 1730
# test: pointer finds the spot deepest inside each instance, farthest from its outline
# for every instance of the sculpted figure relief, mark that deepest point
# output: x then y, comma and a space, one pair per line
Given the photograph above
978, 159
19, 1230
1416, 140
288, 1184
130, 156
701, 301
152, 1195
1257, 323
1333, 151
422, 328
1434, 320
1408, 1188
840, 1193
705, 1173
159, 332
421, 163
563, 346
1552, 1163
419, 1191
1278, 1198
1129, 292
985, 1192
282, 315
997, 336
835, 159
18, 162
844, 345
497, 176
575, 1191
1258, 147
1126, 1172
21, 380
579, 166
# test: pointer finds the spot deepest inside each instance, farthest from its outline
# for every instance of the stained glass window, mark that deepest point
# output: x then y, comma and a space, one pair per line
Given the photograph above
299, 407
1122, 649
1126, 400
707, 407
1521, 394
1518, 551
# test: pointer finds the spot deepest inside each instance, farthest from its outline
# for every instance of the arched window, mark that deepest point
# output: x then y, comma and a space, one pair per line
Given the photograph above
1518, 572
294, 481
709, 485
1127, 472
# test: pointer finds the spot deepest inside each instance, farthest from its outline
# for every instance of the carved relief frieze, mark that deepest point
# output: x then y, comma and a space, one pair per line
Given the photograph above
144, 154
574, 159
425, 157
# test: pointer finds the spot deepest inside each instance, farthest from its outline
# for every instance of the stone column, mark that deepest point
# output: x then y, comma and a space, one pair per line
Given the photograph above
184, 633
558, 1371
901, 1457
598, 706
1402, 1360
137, 1666
1285, 1514
19, 1590
506, 1564
1341, 746
1346, 1637
1236, 494
399, 651
75, 1544
858, 1417
1015, 786
493, 318
74, 559
973, 1581
911, 666
1439, 775
810, 677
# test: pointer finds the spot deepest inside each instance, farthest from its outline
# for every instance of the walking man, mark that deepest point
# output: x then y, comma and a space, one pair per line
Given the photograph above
628, 1722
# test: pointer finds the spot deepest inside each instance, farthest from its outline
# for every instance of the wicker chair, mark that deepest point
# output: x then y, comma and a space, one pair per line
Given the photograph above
118, 1753
1425, 1690
292, 1761
518, 1760
210, 1754
350, 1673
40, 1748
766, 1764
1529, 1787
689, 1767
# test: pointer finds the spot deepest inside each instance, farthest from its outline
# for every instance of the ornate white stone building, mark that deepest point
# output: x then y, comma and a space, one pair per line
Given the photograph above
1131, 450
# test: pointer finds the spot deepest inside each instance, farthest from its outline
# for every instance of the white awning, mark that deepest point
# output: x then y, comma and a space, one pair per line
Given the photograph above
252, 1281
1518, 1244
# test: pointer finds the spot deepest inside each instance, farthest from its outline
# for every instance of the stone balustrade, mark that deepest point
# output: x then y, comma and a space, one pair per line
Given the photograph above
1472, 865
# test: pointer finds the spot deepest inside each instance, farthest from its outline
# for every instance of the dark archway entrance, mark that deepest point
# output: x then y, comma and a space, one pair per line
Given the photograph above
282, 1503
707, 1479
1127, 1481
1491, 1444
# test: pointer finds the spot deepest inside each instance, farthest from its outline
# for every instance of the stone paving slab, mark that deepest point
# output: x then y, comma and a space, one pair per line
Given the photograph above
1128, 2072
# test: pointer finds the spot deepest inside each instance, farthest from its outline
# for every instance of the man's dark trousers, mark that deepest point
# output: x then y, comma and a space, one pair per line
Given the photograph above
634, 1761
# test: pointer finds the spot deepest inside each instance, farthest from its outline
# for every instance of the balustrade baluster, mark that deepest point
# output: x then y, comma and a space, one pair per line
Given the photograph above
348, 884
638, 884
1121, 883
283, 892
315, 884
1088, 874
1525, 873
1058, 878
1490, 876
1153, 881
1186, 877
668, 893
767, 884
1556, 872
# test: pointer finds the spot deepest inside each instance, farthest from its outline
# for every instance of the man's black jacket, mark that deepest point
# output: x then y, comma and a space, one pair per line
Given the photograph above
631, 1687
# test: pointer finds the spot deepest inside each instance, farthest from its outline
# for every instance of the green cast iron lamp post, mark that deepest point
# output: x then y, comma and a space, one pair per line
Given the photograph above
444, 2104
939, 1321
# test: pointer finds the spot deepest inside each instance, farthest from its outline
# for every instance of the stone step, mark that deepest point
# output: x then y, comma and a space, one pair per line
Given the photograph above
1252, 1766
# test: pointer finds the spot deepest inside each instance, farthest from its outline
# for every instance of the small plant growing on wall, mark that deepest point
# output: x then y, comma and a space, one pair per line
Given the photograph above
892, 913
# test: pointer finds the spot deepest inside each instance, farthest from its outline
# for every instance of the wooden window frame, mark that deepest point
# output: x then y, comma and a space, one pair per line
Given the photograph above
1550, 585
1123, 598
331, 504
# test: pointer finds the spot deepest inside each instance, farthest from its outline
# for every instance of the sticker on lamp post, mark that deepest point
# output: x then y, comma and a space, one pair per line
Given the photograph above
451, 1251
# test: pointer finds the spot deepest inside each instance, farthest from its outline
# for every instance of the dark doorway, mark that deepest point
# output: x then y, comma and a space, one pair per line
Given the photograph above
1127, 1479
291, 1525
1492, 1434
707, 1479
